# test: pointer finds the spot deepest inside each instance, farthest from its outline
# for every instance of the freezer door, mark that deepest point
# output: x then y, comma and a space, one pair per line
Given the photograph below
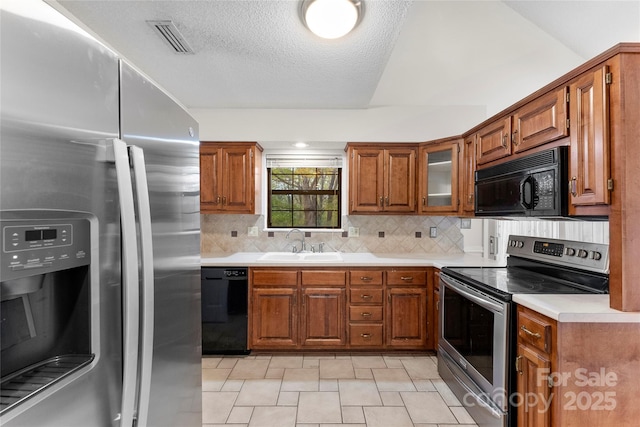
59, 112
168, 136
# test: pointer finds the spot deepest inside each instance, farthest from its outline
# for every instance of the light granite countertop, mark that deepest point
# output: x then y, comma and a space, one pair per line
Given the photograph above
578, 308
356, 259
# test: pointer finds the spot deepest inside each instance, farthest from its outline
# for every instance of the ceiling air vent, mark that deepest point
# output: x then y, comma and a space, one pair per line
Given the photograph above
169, 33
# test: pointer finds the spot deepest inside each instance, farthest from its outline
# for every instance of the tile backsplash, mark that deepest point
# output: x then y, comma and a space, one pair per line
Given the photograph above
378, 234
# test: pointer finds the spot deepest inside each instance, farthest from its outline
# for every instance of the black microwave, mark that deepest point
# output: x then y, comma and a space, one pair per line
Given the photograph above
531, 186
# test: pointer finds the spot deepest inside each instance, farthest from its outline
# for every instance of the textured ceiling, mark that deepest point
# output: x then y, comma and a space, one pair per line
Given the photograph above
256, 54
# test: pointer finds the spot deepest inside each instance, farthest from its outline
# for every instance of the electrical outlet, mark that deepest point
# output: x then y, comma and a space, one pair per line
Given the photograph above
465, 223
252, 231
354, 232
433, 232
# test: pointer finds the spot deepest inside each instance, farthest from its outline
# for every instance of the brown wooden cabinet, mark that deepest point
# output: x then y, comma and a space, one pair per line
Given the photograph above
493, 141
438, 170
589, 164
382, 179
540, 121
366, 308
435, 330
468, 176
535, 361
230, 177
273, 305
323, 308
338, 309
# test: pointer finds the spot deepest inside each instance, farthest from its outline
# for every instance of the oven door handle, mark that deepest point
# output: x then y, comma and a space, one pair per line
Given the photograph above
465, 292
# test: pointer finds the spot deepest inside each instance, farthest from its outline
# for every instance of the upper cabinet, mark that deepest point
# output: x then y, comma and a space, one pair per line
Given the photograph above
540, 121
230, 177
439, 176
493, 141
382, 178
537, 122
468, 175
589, 164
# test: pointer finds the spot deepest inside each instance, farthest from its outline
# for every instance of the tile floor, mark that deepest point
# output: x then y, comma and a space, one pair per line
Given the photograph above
327, 390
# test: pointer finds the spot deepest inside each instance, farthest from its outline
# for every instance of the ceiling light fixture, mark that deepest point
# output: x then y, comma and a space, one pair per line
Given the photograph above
300, 145
331, 19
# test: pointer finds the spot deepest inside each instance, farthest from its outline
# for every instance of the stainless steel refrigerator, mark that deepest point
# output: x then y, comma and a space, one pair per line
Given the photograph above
100, 225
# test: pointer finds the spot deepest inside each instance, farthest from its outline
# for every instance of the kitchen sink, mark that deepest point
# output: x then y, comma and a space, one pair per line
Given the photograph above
295, 257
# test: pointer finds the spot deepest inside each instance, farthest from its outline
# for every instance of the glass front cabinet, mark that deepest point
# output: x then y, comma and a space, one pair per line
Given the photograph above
439, 176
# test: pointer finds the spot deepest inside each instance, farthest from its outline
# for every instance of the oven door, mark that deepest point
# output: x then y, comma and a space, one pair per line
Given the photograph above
474, 347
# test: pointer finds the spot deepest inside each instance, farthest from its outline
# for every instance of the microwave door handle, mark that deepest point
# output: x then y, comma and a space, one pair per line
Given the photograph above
526, 192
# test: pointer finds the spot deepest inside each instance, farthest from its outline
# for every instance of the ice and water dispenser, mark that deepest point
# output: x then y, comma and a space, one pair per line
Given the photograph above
45, 298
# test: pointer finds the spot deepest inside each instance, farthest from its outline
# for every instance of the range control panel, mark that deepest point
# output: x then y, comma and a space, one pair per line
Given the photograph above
569, 253
36, 246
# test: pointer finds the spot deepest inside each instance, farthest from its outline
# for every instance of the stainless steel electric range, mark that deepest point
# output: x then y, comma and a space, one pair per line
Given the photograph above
477, 336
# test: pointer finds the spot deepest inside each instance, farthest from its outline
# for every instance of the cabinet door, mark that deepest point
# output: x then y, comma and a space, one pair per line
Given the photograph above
469, 175
436, 308
366, 185
400, 180
323, 317
533, 368
439, 177
540, 121
406, 317
273, 318
238, 179
210, 179
589, 166
493, 142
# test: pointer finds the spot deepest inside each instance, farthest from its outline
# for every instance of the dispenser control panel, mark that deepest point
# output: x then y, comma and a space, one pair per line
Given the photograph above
39, 245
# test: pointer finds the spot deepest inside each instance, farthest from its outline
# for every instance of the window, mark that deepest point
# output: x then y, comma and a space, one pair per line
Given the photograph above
304, 193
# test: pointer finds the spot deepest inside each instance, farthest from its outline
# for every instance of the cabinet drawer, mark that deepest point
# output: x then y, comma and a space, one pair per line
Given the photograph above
364, 295
365, 312
407, 277
534, 330
365, 277
274, 277
324, 278
365, 335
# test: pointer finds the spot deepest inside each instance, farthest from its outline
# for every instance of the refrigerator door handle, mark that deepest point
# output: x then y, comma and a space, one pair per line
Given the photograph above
130, 287
147, 291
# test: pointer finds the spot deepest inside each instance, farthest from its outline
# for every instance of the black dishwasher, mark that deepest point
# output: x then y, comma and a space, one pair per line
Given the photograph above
224, 310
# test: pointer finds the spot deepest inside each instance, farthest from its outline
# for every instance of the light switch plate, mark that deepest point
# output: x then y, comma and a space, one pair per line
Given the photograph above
433, 232
252, 231
354, 232
465, 223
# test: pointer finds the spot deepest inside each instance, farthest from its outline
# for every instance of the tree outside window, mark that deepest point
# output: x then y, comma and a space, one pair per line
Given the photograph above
304, 197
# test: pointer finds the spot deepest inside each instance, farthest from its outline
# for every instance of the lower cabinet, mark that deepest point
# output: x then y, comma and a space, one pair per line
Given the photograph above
534, 362
368, 309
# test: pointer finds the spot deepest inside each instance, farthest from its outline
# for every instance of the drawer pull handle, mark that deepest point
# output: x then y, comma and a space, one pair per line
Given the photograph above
366, 296
366, 278
365, 314
406, 278
519, 365
366, 336
528, 332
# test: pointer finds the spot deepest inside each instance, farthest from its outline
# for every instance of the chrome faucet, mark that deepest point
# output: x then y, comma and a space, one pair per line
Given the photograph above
302, 243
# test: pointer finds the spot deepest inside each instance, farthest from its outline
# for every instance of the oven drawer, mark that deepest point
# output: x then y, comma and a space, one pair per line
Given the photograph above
535, 329
365, 335
365, 312
365, 296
